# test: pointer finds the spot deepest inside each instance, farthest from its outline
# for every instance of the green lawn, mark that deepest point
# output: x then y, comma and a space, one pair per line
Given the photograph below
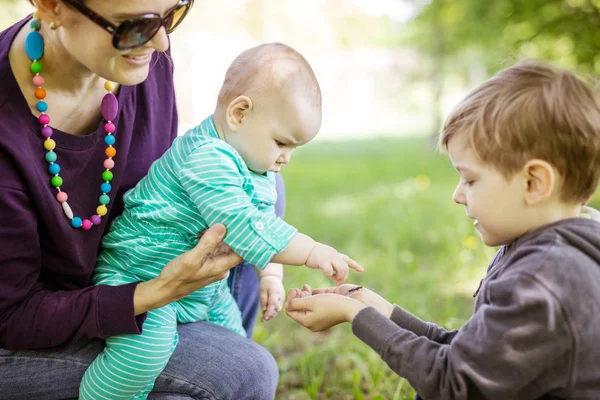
386, 203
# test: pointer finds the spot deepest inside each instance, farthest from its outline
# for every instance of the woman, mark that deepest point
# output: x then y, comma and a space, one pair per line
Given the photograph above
66, 162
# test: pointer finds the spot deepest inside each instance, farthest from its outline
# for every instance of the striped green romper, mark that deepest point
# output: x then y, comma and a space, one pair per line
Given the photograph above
198, 182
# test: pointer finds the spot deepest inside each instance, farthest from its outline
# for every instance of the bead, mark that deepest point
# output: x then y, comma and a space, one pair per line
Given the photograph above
47, 131
36, 14
49, 144
50, 156
109, 140
36, 67
67, 209
105, 187
54, 169
62, 197
34, 46
95, 219
101, 210
104, 199
76, 222
86, 224
42, 106
40, 93
109, 86
107, 176
109, 127
38, 80
35, 24
56, 181
44, 119
110, 152
109, 164
109, 107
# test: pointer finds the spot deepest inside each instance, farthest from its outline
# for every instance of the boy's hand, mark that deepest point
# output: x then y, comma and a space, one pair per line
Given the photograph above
321, 311
362, 294
272, 294
332, 263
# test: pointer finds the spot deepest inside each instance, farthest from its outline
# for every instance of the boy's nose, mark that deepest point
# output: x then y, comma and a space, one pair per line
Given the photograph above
458, 196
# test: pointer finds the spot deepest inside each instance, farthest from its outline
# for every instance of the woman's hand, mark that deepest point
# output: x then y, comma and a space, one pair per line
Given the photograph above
362, 294
321, 311
206, 263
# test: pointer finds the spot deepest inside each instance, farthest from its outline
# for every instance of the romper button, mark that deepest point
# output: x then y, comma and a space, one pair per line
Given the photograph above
259, 225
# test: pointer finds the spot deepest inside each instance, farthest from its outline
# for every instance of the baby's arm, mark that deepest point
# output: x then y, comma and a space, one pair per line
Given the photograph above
212, 178
303, 250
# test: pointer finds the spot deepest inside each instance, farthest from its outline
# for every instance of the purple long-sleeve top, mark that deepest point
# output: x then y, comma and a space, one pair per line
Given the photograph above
45, 265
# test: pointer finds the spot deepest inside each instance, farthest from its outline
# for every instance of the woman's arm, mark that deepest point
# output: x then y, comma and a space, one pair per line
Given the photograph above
34, 316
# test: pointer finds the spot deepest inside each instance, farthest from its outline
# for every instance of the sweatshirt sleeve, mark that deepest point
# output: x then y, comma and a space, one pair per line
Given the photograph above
34, 317
212, 180
498, 354
411, 322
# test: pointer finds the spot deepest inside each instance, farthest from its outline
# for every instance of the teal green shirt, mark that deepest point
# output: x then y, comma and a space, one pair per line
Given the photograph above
201, 181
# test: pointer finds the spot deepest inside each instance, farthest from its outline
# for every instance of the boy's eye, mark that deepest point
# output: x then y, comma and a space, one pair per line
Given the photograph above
279, 143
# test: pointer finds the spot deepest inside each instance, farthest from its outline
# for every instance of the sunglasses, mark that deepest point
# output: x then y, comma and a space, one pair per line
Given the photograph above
139, 30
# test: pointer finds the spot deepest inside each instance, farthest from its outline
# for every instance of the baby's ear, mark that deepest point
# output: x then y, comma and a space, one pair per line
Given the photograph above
540, 181
236, 111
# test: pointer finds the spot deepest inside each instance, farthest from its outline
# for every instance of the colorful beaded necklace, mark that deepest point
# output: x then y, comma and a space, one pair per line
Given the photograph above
34, 47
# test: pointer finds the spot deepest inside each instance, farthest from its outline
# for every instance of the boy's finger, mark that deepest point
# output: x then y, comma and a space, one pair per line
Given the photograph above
298, 304
307, 289
324, 290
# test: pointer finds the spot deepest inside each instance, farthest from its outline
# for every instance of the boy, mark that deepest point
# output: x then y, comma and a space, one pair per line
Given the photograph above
219, 172
526, 145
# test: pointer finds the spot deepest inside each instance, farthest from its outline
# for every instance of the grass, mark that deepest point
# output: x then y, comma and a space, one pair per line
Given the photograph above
386, 203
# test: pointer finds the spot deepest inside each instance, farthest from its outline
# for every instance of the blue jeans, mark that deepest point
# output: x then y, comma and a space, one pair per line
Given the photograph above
209, 362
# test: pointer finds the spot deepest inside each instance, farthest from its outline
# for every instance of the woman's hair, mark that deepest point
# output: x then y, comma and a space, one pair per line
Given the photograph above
534, 110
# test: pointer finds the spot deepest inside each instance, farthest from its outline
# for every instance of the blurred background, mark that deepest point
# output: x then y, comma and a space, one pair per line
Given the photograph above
372, 184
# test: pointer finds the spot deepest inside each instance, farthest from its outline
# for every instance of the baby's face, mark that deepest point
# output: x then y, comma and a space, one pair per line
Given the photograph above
273, 129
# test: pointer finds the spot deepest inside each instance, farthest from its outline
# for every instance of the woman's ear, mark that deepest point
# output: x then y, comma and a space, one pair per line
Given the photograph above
540, 181
236, 111
49, 11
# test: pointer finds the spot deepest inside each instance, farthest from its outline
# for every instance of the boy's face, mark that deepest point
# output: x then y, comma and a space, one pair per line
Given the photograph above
497, 205
269, 133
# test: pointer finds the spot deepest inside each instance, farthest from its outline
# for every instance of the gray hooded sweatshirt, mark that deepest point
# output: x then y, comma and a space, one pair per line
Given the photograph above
534, 334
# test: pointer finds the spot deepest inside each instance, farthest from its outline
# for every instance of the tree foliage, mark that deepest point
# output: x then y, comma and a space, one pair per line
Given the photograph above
567, 31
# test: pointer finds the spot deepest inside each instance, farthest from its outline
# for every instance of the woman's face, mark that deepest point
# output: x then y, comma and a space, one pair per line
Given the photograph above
91, 46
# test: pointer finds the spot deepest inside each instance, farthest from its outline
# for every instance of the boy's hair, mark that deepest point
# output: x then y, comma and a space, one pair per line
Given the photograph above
266, 66
534, 110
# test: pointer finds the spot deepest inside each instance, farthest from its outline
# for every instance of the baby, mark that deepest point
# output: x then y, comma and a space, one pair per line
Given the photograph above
222, 171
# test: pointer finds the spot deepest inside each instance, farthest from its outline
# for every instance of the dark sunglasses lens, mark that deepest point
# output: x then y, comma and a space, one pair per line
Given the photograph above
135, 33
177, 16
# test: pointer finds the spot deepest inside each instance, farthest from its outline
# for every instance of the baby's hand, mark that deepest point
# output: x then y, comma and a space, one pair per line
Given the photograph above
332, 263
272, 294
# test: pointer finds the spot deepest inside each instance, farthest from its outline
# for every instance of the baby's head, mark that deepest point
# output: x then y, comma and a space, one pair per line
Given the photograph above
270, 103
526, 144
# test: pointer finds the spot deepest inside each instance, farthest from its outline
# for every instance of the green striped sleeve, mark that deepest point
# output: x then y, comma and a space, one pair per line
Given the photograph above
213, 178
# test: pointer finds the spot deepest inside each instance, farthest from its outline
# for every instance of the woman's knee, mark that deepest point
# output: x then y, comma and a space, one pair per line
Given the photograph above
216, 363
262, 375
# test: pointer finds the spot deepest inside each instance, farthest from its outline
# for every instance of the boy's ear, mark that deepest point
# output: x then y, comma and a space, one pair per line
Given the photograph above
540, 181
236, 111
